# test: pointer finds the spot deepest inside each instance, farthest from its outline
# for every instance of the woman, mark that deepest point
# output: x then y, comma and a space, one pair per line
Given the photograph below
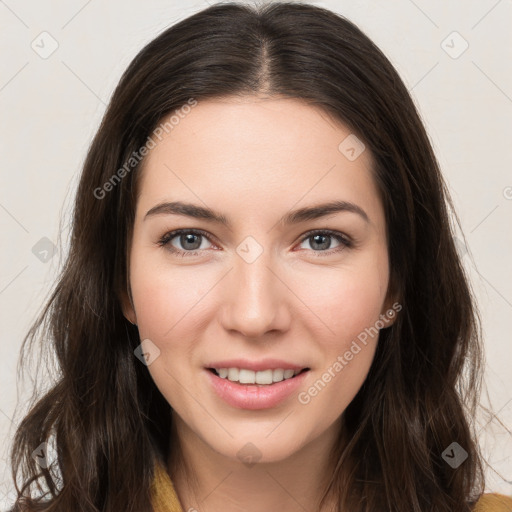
317, 347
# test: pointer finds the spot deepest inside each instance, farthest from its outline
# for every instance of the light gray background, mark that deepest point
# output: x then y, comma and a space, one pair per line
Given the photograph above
50, 108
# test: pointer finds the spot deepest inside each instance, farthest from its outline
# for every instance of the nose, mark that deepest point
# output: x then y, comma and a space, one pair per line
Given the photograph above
256, 300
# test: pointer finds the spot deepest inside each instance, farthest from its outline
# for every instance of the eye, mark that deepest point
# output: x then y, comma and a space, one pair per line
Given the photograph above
189, 239
320, 241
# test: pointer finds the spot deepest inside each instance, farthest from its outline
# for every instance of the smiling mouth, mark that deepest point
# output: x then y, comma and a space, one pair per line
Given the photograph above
263, 377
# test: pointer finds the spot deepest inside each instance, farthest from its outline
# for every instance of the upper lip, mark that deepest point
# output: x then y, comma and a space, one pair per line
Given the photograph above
263, 364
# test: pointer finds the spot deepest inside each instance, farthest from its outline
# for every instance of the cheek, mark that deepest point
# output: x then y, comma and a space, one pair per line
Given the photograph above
165, 300
350, 311
167, 305
334, 387
348, 304
347, 349
343, 301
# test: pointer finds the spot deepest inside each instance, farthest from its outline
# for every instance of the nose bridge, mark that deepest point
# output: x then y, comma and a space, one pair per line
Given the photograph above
254, 299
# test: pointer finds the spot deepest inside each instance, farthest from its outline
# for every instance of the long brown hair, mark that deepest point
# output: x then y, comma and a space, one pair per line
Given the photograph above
103, 413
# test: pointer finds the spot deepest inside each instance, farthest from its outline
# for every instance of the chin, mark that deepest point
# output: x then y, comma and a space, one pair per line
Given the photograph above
259, 448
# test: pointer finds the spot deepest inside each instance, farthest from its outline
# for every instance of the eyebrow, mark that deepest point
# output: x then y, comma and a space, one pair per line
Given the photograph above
293, 217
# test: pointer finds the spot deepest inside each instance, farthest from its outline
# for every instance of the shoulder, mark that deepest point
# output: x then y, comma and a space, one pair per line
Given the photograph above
494, 503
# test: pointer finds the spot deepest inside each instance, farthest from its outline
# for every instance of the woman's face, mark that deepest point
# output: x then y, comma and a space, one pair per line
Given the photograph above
262, 287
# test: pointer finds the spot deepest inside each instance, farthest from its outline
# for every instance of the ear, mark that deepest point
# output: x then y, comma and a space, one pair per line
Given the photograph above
127, 306
390, 310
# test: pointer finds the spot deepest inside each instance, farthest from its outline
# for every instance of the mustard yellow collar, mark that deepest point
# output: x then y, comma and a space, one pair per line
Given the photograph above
165, 499
163, 494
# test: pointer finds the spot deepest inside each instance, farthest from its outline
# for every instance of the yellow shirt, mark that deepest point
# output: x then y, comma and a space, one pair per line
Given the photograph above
165, 499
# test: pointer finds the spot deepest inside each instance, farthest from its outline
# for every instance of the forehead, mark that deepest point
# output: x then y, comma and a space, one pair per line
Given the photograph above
258, 154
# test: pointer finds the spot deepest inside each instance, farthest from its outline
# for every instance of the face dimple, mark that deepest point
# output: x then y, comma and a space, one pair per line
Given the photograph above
256, 298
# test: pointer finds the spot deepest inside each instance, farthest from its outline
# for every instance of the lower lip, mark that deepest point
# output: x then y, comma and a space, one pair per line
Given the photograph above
254, 396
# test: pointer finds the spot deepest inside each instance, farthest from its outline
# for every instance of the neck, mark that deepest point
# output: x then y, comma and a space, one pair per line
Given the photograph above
208, 481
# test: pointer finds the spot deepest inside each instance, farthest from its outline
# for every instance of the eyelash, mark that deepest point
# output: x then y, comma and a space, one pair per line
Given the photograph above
345, 241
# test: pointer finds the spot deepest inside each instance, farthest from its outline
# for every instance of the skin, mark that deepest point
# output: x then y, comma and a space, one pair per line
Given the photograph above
254, 159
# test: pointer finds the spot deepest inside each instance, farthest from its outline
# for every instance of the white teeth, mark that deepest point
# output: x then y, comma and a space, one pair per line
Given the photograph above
244, 376
223, 372
278, 375
264, 377
233, 374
